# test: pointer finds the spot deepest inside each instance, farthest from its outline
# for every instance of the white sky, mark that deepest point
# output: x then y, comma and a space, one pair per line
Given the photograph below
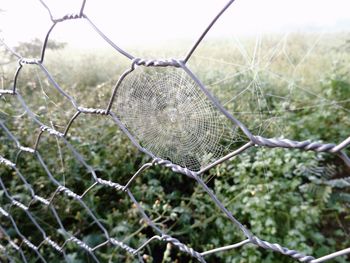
139, 21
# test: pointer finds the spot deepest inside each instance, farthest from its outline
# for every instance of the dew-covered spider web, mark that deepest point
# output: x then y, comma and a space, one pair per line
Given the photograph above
265, 80
169, 115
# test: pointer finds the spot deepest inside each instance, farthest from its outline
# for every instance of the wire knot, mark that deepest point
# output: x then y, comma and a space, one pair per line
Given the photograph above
52, 131
7, 162
157, 62
283, 250
175, 168
68, 17
29, 61
7, 91
92, 111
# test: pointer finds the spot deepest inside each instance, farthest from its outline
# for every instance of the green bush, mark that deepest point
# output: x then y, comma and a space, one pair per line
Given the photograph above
297, 199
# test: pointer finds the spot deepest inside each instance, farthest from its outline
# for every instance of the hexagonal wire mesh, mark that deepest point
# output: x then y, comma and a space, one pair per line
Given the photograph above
169, 115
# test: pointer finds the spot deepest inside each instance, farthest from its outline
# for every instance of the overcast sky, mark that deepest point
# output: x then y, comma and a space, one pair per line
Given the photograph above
151, 21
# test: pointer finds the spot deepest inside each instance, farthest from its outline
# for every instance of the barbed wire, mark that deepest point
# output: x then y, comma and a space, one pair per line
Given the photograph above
132, 132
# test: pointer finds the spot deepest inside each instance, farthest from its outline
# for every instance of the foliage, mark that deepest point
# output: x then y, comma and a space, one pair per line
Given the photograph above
33, 48
298, 199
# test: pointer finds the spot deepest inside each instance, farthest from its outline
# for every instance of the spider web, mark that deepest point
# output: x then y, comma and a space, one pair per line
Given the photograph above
265, 80
170, 116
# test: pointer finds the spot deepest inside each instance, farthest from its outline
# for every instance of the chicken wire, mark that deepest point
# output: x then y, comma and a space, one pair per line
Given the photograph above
169, 115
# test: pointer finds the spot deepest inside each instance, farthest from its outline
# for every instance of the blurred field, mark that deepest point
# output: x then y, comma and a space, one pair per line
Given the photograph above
295, 86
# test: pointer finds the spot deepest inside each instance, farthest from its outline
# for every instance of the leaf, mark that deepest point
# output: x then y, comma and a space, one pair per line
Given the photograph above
339, 183
344, 197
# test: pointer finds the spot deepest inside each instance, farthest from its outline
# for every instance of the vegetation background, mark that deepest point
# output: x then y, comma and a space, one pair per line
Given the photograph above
299, 88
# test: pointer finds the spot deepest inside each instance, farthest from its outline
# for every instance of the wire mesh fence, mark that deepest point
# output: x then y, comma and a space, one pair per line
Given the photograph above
168, 114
